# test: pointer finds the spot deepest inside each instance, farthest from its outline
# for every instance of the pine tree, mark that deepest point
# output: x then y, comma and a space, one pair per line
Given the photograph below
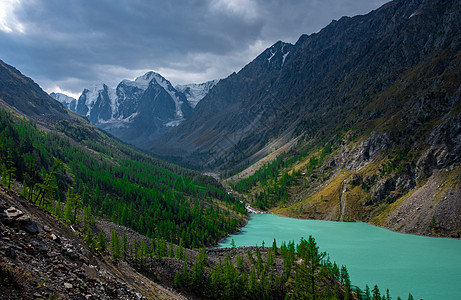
198, 271
388, 296
171, 251
101, 242
344, 274
367, 293
274, 248
161, 248
134, 249
4, 175
359, 293
177, 280
31, 176
89, 239
307, 273
376, 293
124, 246
142, 253
68, 209
115, 245
185, 273
87, 216
57, 210
180, 250
253, 284
10, 168
48, 188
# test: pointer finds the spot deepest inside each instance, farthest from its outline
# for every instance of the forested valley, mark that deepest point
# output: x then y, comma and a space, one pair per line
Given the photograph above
113, 181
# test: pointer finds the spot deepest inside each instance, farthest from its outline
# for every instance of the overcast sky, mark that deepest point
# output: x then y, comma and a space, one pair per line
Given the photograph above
68, 45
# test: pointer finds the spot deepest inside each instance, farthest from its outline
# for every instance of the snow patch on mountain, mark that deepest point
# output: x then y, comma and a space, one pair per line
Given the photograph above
91, 96
67, 101
272, 55
195, 92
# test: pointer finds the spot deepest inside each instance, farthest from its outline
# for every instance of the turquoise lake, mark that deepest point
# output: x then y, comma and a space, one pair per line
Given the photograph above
428, 268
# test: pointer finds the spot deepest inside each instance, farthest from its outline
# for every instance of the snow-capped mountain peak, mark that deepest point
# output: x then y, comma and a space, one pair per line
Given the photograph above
67, 101
146, 79
137, 110
195, 92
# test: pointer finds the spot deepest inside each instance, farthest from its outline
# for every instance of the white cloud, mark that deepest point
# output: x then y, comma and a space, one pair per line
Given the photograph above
244, 8
8, 21
57, 89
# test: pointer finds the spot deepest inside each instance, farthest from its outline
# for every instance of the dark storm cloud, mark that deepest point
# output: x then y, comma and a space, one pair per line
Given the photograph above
71, 44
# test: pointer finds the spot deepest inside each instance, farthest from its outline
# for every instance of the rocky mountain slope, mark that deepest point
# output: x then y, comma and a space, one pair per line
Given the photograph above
22, 95
42, 258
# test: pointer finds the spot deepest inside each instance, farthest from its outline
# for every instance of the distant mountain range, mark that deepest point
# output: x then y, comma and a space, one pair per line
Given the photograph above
137, 111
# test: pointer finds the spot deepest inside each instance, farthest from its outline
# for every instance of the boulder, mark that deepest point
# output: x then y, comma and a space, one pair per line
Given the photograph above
30, 227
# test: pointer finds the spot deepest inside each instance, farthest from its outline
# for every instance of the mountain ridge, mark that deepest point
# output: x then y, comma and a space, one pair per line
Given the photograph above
321, 70
138, 111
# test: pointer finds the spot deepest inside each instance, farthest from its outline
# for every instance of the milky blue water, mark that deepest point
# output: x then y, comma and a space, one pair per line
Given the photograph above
428, 268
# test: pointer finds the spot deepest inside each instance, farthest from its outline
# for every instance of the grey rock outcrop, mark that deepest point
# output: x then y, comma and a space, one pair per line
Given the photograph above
444, 147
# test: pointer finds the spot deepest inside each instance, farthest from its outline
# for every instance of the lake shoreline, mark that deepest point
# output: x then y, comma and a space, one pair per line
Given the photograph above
374, 255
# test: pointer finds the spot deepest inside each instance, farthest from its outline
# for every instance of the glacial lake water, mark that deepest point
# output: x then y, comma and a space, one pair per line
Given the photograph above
428, 268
